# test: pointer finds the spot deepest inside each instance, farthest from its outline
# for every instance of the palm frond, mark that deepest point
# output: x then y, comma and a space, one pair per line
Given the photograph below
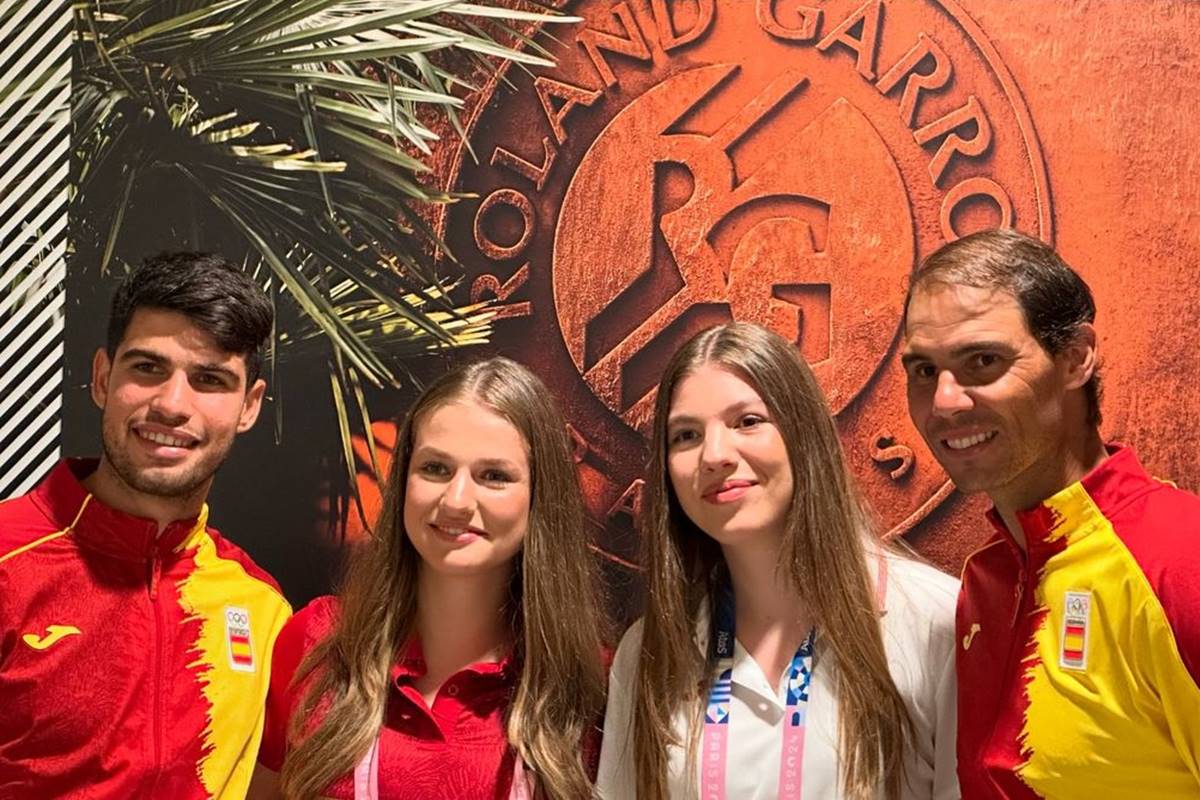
383, 325
302, 124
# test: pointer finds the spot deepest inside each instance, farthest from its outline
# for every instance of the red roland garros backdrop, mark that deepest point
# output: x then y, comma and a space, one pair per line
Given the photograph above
692, 161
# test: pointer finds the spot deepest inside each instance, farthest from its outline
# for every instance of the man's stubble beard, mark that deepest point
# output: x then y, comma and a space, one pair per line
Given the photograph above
184, 485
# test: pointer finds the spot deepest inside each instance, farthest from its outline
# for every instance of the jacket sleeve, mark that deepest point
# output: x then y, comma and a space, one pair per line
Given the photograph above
1174, 657
919, 632
616, 779
945, 741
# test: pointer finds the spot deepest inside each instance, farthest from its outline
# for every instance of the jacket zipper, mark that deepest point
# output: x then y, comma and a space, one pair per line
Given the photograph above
1019, 598
1015, 645
156, 683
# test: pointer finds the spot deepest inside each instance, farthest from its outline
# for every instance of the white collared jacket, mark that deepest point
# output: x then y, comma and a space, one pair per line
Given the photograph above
918, 633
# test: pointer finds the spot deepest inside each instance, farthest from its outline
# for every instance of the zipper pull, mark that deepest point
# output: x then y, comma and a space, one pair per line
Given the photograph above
1018, 596
154, 574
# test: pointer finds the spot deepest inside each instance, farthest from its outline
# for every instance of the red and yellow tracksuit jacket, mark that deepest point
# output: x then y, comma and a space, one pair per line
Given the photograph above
132, 665
1079, 663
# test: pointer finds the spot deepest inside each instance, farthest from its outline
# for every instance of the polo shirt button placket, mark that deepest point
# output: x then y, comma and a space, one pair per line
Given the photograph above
452, 690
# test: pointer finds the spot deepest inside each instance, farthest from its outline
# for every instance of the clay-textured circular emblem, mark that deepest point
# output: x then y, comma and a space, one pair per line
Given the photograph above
697, 161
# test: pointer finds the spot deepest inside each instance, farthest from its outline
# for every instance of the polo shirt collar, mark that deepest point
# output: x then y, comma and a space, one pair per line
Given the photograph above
64, 500
411, 665
749, 675
746, 671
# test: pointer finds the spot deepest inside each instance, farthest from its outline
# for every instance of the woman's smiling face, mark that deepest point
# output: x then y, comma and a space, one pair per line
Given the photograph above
466, 504
726, 459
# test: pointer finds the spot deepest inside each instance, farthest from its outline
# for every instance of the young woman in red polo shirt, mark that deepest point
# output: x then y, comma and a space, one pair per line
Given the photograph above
462, 657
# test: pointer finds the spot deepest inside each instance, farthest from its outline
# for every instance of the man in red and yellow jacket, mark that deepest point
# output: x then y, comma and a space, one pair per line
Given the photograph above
135, 641
1079, 619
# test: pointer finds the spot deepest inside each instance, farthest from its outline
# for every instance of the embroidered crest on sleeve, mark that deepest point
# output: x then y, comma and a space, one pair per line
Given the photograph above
237, 636
1077, 609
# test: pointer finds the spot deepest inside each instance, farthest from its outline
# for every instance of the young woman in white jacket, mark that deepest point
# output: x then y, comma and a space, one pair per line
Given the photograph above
785, 651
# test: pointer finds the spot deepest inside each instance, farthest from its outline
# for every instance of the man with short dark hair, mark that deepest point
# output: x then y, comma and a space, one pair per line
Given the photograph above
1079, 619
135, 641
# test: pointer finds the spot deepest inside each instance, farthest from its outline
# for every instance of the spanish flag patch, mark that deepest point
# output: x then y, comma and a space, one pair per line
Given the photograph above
237, 636
1077, 609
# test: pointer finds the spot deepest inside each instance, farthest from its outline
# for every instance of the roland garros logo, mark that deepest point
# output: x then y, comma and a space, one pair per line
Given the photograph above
697, 161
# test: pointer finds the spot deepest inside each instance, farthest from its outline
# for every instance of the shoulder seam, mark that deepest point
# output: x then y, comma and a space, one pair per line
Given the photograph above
48, 537
1153, 485
265, 584
962, 572
35, 543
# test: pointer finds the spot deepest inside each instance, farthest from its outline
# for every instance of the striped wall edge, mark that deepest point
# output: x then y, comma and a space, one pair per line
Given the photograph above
35, 94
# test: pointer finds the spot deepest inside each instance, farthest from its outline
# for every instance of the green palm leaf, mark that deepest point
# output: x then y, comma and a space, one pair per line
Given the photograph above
302, 125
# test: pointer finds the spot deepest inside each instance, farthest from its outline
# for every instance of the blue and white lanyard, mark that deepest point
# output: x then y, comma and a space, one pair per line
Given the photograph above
715, 738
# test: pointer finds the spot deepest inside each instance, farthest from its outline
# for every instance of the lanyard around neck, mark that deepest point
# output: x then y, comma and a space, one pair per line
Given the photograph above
715, 738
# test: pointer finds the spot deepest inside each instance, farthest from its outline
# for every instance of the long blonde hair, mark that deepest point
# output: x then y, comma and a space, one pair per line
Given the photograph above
823, 554
554, 609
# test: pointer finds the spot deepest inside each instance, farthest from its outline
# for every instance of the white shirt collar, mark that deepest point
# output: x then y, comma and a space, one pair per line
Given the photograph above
746, 671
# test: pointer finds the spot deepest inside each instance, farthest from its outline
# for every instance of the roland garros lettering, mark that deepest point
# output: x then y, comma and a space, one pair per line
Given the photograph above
908, 131
962, 133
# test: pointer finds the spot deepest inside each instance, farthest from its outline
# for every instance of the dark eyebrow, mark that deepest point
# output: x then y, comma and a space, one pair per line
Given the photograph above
220, 369
732, 408
499, 462
980, 347
909, 358
433, 452
137, 352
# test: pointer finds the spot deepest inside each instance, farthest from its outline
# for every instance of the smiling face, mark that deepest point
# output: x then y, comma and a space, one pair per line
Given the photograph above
173, 401
994, 407
467, 495
726, 459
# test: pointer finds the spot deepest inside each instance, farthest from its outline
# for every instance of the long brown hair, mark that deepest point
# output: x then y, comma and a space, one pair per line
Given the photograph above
823, 554
554, 609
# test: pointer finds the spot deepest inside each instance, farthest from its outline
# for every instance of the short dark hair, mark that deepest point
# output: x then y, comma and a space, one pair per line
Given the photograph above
221, 299
1052, 296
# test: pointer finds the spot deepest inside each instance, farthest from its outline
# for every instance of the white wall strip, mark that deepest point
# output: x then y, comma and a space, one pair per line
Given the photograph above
35, 93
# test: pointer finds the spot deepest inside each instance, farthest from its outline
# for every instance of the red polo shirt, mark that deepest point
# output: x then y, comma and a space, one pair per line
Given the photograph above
454, 750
